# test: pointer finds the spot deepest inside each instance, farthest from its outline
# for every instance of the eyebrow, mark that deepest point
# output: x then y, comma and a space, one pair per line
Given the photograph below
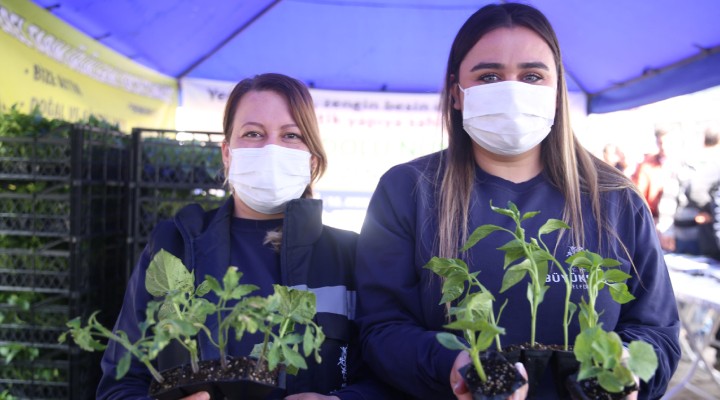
528, 65
263, 126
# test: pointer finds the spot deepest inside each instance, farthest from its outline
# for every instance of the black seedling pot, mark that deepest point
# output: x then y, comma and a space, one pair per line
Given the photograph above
499, 371
579, 390
535, 361
247, 385
563, 364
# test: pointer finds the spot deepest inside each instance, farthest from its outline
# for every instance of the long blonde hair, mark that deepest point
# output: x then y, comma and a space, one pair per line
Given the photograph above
568, 166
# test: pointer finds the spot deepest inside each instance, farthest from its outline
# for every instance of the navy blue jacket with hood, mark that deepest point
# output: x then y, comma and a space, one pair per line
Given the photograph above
312, 256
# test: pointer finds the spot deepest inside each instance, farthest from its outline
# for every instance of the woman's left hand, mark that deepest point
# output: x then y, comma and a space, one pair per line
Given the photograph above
310, 396
633, 395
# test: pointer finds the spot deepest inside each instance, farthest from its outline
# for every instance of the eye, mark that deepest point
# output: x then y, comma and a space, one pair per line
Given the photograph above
251, 134
489, 78
532, 78
293, 137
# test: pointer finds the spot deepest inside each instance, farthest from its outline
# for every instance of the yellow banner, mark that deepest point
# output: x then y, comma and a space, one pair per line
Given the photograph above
68, 75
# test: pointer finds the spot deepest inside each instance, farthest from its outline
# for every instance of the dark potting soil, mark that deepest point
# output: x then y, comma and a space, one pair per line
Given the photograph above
593, 391
212, 371
500, 377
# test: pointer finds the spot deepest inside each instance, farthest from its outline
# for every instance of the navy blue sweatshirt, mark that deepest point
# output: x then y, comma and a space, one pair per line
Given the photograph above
399, 310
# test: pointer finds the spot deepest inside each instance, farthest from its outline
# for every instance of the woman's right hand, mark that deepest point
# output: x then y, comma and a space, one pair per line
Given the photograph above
460, 389
198, 396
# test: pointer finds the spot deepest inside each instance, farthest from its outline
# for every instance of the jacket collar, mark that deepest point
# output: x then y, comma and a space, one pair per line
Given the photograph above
207, 235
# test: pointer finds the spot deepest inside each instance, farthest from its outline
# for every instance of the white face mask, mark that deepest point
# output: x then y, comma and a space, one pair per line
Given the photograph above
266, 178
508, 118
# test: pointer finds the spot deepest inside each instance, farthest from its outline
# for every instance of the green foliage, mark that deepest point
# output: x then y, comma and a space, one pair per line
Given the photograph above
285, 309
527, 256
599, 352
181, 311
13, 350
601, 273
13, 305
473, 315
145, 349
14, 123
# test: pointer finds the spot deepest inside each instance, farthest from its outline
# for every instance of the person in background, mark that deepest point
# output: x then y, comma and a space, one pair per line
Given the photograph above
271, 229
613, 155
505, 109
650, 176
696, 223
657, 178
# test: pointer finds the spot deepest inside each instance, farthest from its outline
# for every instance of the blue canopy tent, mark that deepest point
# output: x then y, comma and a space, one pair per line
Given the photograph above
621, 54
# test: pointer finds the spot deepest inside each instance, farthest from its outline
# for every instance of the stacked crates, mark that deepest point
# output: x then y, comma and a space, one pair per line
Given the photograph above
171, 169
63, 228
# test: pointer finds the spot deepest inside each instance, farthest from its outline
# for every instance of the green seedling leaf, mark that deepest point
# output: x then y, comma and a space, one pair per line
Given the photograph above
203, 289
212, 284
643, 361
623, 375
166, 273
541, 293
292, 357
529, 215
583, 346
616, 275
552, 225
515, 274
178, 328
461, 325
579, 260
514, 250
588, 371
231, 279
445, 266
75, 323
620, 293
610, 382
123, 366
242, 291
479, 304
273, 357
506, 212
450, 341
610, 263
542, 271
308, 341
478, 234
453, 287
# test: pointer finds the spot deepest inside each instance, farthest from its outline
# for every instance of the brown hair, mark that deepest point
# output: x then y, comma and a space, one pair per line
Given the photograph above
568, 166
301, 108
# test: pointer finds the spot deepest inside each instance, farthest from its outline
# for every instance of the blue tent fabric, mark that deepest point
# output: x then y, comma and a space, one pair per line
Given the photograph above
621, 54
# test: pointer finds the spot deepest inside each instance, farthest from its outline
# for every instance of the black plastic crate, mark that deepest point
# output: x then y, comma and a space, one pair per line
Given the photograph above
68, 153
37, 155
171, 169
173, 159
67, 266
41, 318
52, 375
63, 231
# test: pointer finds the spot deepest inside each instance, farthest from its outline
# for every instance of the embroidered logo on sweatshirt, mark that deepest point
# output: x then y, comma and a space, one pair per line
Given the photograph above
342, 362
578, 277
